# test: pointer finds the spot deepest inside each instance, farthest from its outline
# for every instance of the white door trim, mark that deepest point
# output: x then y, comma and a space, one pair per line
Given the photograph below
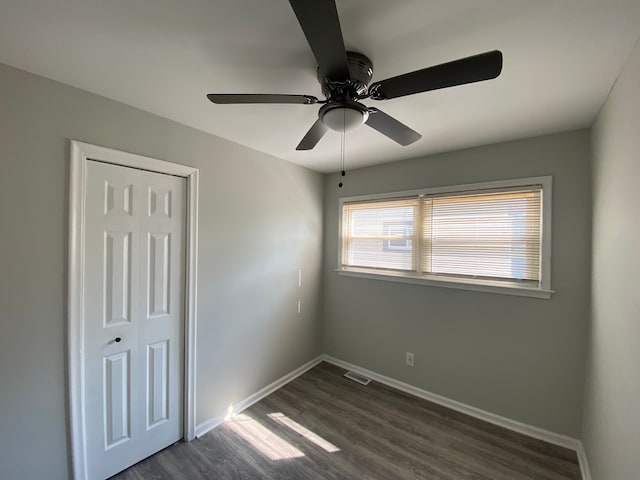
80, 153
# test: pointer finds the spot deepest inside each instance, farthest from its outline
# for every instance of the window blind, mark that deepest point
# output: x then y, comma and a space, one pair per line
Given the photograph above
380, 234
482, 234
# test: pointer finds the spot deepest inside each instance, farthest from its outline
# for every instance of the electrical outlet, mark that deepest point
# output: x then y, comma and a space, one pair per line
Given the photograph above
410, 362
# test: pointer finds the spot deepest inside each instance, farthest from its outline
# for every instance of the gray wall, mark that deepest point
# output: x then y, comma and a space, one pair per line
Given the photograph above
519, 357
260, 220
612, 396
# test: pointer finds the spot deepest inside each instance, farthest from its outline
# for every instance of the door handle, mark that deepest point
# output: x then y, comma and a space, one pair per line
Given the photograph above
116, 340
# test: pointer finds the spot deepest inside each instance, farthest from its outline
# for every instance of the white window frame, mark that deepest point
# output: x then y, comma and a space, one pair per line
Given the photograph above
481, 285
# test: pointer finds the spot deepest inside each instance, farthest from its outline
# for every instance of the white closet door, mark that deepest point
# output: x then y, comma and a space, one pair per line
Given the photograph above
133, 315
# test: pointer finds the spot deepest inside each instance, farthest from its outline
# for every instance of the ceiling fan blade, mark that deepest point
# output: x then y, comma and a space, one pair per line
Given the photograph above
223, 98
321, 25
313, 136
392, 128
484, 66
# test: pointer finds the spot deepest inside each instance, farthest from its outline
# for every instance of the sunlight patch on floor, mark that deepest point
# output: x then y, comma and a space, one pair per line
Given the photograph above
262, 439
305, 432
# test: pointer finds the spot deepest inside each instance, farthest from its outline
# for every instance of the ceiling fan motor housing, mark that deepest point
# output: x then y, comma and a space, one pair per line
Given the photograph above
361, 73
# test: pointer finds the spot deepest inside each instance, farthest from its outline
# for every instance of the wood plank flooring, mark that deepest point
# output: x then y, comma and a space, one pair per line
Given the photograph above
324, 426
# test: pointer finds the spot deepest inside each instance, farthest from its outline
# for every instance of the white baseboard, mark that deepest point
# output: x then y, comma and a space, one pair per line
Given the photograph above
529, 430
212, 423
584, 464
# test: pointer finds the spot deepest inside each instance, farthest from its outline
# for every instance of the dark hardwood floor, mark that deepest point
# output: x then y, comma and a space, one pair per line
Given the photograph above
324, 426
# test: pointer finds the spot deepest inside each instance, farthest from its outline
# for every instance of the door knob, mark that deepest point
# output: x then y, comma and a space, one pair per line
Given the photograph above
117, 339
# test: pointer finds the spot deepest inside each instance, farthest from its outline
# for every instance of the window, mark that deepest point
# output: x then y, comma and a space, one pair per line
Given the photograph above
492, 236
399, 236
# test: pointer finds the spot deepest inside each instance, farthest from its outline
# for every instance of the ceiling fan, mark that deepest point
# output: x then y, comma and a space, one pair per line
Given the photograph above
345, 77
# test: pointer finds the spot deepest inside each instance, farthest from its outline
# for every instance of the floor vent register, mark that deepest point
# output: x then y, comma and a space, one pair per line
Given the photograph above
356, 377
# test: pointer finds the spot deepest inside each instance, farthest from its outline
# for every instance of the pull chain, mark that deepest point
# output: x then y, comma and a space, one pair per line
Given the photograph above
342, 172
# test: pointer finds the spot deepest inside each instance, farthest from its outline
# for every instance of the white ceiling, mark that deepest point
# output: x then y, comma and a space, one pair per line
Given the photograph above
561, 58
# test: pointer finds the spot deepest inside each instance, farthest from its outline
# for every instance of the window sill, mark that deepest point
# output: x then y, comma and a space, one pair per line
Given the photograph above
466, 284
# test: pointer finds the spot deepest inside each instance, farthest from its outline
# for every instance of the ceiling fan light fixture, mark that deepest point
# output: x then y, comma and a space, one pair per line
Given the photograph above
343, 117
